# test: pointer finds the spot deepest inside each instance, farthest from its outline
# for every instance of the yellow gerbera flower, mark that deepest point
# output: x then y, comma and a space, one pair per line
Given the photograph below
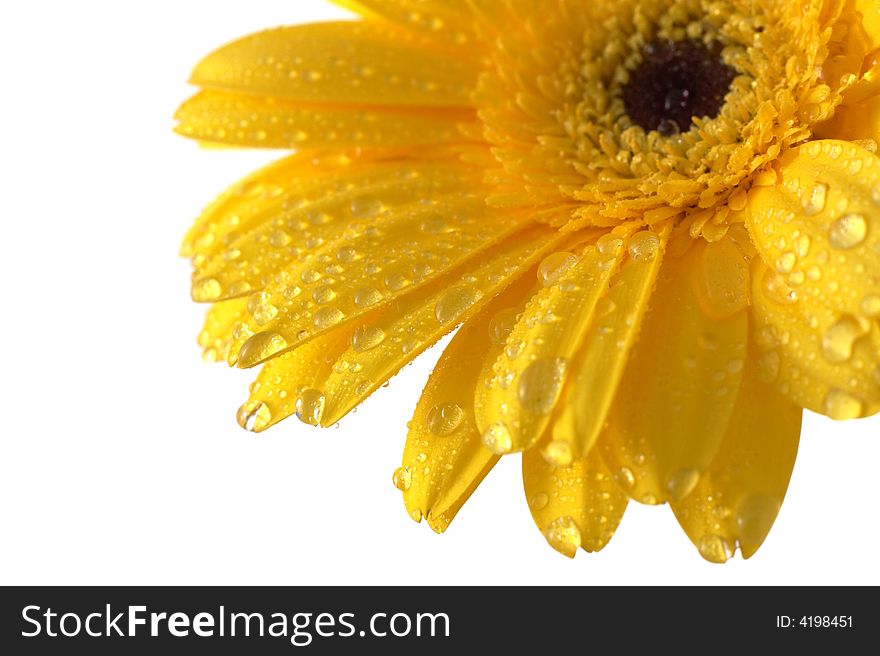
656, 222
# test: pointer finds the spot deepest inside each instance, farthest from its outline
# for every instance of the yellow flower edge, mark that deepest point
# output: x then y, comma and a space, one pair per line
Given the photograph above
655, 225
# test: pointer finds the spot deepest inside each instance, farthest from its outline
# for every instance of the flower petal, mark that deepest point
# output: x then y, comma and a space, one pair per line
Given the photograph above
676, 396
820, 359
601, 364
575, 506
345, 280
419, 319
819, 227
263, 122
870, 10
444, 459
297, 233
514, 405
736, 500
343, 62
216, 334
448, 22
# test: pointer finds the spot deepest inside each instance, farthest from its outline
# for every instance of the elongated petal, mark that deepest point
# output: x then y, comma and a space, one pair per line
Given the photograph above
286, 385
302, 237
216, 334
419, 319
821, 360
601, 364
819, 227
444, 459
361, 62
677, 393
514, 405
575, 506
345, 280
447, 22
263, 122
870, 10
736, 500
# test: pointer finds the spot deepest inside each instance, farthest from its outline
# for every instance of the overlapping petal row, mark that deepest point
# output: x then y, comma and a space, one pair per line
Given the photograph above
659, 351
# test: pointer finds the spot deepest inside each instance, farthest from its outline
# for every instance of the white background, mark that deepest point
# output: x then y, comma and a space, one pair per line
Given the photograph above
121, 459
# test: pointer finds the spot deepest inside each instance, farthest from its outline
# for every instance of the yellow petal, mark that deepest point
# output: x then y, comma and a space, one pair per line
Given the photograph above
736, 500
259, 121
346, 62
419, 319
819, 227
216, 334
293, 233
870, 10
677, 393
286, 384
820, 359
575, 506
345, 280
514, 404
439, 20
601, 364
444, 459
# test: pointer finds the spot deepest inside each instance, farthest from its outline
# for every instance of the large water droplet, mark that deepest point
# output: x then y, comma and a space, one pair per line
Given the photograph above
777, 289
259, 347
497, 438
444, 418
539, 501
366, 338
848, 231
328, 316
643, 246
714, 548
555, 266
754, 516
838, 340
815, 199
502, 325
310, 406
254, 416
841, 405
539, 384
558, 453
366, 207
206, 290
454, 303
402, 478
366, 296
563, 535
870, 306
682, 483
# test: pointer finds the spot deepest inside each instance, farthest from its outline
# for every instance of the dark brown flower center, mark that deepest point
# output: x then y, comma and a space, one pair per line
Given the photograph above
676, 81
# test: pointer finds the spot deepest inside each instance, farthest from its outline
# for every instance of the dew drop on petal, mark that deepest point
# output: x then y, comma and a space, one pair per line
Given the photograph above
682, 483
848, 231
502, 325
816, 199
254, 416
539, 384
310, 406
555, 266
402, 478
563, 535
366, 207
841, 405
754, 516
454, 303
558, 453
497, 438
444, 418
260, 346
870, 306
205, 290
539, 501
328, 316
714, 548
838, 340
643, 246
366, 338
366, 296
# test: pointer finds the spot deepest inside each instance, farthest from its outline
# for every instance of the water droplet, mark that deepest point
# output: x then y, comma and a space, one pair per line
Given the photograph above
366, 207
555, 266
366, 338
785, 263
539, 501
682, 483
259, 347
310, 406
848, 231
754, 516
539, 384
444, 418
366, 296
328, 316
815, 200
323, 294
841, 405
502, 325
714, 548
261, 308
402, 478
346, 254
416, 515
777, 289
643, 246
206, 290
626, 478
254, 416
558, 453
609, 245
454, 303
838, 340
497, 438
563, 535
